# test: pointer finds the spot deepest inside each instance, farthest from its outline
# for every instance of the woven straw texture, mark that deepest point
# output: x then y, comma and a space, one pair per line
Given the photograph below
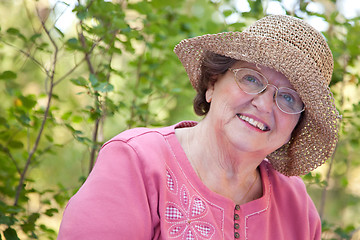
297, 50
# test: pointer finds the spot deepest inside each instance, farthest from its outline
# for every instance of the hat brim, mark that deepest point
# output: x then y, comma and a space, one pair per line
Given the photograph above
317, 134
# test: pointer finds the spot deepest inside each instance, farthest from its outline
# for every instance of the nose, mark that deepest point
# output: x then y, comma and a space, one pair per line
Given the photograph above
265, 101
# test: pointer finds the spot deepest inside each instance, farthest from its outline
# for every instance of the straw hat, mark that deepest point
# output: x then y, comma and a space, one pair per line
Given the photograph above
297, 50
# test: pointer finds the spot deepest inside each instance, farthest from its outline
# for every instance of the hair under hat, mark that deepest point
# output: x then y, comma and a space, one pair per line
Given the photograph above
297, 50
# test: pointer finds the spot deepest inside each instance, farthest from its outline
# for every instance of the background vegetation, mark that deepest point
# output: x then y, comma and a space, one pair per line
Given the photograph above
70, 82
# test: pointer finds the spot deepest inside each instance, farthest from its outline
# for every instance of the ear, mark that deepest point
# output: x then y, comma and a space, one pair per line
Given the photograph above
209, 93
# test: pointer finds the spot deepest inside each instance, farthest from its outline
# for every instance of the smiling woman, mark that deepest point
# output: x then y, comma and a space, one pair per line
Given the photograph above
268, 117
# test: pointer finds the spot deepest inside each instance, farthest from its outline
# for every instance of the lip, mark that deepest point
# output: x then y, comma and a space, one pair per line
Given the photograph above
267, 127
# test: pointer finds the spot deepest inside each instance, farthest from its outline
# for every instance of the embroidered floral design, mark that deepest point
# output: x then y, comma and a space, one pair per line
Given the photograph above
185, 218
171, 181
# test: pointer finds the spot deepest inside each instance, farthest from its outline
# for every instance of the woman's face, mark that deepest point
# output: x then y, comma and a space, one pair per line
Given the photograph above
249, 122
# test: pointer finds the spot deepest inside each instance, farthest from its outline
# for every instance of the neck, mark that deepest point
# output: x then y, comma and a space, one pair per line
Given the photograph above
221, 168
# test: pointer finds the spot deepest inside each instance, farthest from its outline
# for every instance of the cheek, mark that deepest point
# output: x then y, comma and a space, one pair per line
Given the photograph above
296, 120
223, 95
289, 124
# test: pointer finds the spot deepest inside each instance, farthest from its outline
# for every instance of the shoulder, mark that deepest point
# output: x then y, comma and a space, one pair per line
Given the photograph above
148, 139
290, 194
141, 134
290, 185
290, 200
146, 148
140, 139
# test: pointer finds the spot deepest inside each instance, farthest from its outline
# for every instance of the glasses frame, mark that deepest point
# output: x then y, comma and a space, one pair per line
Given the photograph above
235, 70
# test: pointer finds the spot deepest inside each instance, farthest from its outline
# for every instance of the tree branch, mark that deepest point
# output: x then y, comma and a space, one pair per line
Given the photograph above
75, 67
138, 73
69, 72
96, 99
46, 113
27, 55
94, 145
7, 151
324, 191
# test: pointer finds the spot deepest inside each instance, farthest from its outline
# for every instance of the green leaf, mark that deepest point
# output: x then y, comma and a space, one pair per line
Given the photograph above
16, 32
176, 90
6, 220
24, 119
60, 199
13, 31
77, 119
59, 32
73, 43
46, 201
66, 115
94, 81
227, 13
82, 139
46, 229
50, 212
43, 47
80, 81
237, 26
13, 209
81, 15
341, 232
49, 138
10, 234
104, 87
34, 37
8, 75
28, 101
146, 91
16, 144
354, 143
344, 182
70, 128
3, 122
325, 226
65, 3
349, 228
29, 225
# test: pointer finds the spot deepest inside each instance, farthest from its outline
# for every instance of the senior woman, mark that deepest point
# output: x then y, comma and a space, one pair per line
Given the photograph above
268, 117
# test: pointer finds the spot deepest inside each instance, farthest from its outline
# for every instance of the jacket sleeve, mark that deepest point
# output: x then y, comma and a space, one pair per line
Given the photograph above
112, 203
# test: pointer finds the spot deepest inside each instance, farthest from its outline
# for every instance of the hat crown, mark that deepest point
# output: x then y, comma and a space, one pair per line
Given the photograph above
297, 50
298, 34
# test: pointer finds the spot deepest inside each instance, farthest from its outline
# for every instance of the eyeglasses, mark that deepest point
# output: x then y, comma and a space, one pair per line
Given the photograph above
253, 82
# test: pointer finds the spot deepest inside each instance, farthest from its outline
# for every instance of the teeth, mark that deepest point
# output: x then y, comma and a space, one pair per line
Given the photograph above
253, 122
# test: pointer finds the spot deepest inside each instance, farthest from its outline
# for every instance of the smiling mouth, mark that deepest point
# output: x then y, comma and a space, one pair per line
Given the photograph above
254, 123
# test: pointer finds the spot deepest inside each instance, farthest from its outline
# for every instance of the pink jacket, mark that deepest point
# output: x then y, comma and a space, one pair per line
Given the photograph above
143, 187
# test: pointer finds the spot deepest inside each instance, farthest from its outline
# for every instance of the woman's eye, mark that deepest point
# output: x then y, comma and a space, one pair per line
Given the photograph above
288, 98
251, 79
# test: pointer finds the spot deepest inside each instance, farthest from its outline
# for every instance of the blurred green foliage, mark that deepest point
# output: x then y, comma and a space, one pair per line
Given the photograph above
66, 91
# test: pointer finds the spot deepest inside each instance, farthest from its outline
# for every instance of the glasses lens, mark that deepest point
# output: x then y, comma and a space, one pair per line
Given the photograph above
250, 81
289, 101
